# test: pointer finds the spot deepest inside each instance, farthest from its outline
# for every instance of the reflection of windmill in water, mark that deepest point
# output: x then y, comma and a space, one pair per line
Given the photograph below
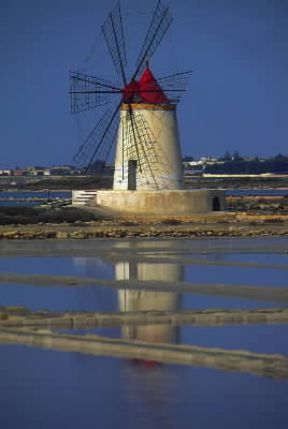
149, 269
148, 152
143, 300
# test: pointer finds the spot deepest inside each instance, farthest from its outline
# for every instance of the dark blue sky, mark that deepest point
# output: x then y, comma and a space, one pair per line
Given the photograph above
237, 97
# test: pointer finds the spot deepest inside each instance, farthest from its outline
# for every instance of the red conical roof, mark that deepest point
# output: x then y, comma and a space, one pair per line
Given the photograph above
146, 90
148, 83
131, 92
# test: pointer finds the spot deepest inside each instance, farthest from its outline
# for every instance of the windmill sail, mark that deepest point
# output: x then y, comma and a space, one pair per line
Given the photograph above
114, 36
89, 92
174, 85
159, 25
98, 143
147, 136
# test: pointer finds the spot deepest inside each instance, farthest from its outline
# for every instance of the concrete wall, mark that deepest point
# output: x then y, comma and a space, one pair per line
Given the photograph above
162, 202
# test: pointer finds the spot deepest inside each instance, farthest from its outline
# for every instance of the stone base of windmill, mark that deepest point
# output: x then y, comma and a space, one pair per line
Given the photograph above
172, 203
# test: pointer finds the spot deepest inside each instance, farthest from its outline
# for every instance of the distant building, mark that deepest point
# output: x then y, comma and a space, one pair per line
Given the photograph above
35, 171
5, 172
192, 168
19, 172
65, 170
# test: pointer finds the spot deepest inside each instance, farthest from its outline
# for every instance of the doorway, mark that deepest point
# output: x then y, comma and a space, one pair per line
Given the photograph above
216, 204
132, 174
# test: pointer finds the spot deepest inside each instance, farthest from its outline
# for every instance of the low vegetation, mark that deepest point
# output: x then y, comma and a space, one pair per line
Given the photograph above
36, 215
55, 183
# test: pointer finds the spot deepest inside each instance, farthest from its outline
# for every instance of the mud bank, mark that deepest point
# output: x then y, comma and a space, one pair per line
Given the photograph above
21, 317
246, 227
245, 217
142, 250
229, 360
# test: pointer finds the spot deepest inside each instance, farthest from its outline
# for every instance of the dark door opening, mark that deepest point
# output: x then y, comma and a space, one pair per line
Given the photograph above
132, 174
216, 204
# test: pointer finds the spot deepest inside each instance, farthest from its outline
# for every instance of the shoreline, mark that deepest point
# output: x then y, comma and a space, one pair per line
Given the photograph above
245, 216
240, 225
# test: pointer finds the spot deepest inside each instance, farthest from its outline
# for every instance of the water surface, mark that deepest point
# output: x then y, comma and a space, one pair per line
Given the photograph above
47, 389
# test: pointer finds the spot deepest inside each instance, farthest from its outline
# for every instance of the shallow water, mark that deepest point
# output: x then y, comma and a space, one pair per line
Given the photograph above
256, 338
12, 199
257, 192
36, 194
16, 198
99, 298
91, 298
45, 389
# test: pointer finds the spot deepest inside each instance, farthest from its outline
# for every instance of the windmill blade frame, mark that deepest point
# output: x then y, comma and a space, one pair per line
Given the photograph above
175, 84
159, 25
98, 138
114, 36
130, 110
139, 144
88, 92
147, 144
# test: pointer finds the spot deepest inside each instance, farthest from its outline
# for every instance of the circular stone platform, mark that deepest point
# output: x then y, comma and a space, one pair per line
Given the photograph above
174, 203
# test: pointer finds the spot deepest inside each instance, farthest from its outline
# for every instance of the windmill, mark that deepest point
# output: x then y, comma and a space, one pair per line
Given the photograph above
144, 123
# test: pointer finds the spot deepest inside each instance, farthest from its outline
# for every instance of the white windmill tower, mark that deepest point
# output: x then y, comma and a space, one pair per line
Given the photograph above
148, 155
144, 123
